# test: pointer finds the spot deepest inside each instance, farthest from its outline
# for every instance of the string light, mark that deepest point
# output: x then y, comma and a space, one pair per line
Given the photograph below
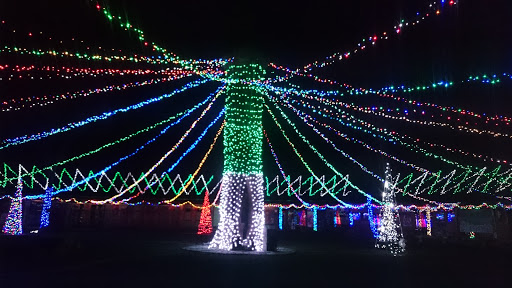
45, 100
92, 119
371, 40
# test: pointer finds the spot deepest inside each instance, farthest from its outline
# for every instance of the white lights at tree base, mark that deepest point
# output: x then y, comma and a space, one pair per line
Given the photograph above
240, 194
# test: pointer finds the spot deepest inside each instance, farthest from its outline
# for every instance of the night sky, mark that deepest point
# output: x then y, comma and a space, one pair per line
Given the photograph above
471, 38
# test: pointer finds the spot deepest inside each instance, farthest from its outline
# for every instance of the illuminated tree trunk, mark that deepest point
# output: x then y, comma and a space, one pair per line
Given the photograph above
242, 219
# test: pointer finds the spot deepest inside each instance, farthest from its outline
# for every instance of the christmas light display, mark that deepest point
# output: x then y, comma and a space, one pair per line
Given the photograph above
45, 213
243, 186
205, 222
14, 221
241, 199
390, 229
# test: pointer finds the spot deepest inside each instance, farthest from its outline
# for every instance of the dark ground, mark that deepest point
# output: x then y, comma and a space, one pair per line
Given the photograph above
155, 259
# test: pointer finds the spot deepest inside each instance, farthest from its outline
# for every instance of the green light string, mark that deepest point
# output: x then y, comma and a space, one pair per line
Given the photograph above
81, 55
318, 154
168, 56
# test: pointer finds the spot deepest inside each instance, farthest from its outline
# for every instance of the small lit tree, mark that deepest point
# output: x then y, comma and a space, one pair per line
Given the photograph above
13, 223
390, 230
205, 222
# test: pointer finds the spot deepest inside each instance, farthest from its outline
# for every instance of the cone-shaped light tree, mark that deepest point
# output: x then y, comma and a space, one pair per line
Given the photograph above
390, 231
13, 224
205, 222
242, 220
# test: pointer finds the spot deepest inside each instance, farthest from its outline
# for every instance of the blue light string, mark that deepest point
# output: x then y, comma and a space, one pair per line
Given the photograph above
105, 115
189, 148
351, 219
85, 180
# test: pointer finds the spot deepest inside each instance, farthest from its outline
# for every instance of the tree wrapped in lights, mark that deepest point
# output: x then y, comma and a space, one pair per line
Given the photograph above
205, 222
390, 230
242, 218
47, 204
13, 223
